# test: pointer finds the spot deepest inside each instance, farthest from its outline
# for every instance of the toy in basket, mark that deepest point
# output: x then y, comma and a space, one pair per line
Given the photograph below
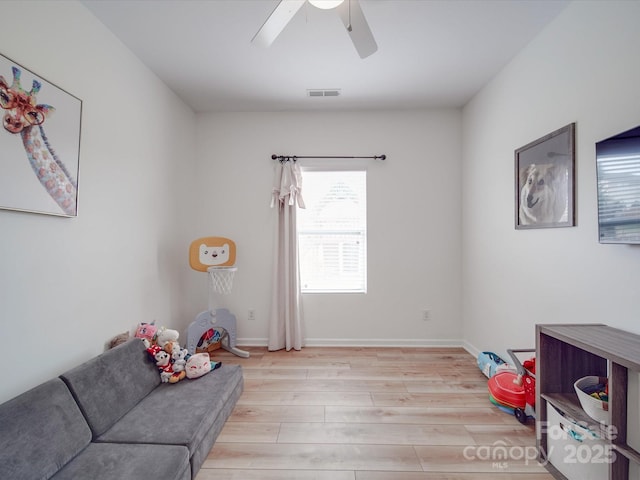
593, 394
515, 392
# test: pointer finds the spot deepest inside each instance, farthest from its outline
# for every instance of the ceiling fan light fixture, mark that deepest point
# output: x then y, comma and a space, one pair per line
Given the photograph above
325, 4
350, 14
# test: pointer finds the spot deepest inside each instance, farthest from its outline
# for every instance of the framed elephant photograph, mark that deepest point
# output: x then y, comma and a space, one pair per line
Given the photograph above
544, 181
39, 143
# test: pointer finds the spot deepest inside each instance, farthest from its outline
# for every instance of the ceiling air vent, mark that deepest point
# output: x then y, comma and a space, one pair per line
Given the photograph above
335, 92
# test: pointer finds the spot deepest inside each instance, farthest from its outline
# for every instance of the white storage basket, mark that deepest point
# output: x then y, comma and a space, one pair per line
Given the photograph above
596, 409
577, 452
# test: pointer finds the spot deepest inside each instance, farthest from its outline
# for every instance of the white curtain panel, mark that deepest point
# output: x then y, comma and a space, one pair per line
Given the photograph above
285, 320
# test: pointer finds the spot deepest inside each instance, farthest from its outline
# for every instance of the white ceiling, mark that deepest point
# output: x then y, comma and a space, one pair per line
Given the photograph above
431, 53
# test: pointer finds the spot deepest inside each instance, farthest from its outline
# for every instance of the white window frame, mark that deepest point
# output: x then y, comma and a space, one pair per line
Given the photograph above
362, 232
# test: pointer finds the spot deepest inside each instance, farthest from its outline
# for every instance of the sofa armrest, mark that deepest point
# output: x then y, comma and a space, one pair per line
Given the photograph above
42, 430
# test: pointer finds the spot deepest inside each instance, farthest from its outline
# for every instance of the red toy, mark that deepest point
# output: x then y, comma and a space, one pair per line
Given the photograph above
515, 392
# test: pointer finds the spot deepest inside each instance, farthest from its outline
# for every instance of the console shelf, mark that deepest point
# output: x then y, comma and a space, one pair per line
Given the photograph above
567, 352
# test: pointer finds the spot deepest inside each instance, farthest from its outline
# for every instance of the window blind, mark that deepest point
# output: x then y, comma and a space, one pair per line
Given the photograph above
332, 232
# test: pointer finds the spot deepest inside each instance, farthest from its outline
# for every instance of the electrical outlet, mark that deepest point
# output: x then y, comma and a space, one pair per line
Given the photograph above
426, 315
252, 315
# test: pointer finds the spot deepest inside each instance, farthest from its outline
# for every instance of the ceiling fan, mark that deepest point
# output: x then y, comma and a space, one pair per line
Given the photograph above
348, 10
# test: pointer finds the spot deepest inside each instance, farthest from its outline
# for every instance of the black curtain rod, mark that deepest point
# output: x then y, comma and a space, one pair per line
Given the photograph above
284, 158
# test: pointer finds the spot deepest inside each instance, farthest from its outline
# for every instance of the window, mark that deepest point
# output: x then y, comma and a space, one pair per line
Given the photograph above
332, 232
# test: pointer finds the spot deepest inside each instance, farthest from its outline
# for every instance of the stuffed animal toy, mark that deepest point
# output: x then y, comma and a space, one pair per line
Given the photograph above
179, 357
200, 364
118, 339
171, 347
175, 363
165, 335
163, 362
147, 332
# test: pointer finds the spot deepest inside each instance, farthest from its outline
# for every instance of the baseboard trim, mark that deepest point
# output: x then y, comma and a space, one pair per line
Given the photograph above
361, 342
471, 349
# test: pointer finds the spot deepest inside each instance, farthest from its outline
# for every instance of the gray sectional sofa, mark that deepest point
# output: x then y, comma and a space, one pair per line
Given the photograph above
112, 419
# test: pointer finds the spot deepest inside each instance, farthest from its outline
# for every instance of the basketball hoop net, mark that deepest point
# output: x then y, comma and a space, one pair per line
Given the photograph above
221, 279
220, 282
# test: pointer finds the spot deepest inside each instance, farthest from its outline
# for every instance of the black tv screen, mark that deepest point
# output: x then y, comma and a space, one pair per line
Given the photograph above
618, 170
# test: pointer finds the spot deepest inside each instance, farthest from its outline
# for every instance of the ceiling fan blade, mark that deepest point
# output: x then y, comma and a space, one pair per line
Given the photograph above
276, 22
353, 18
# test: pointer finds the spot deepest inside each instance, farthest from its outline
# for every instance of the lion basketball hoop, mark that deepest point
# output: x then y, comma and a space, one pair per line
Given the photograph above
216, 256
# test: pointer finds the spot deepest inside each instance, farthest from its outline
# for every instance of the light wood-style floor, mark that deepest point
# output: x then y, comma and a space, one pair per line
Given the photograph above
368, 414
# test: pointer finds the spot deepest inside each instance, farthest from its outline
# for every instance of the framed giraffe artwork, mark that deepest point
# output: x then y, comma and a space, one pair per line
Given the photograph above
39, 143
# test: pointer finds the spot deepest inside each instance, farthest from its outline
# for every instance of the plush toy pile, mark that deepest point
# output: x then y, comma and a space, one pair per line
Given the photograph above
174, 362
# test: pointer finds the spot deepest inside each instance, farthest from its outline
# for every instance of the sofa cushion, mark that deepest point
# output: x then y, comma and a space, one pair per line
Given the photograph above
114, 461
40, 431
109, 385
206, 439
190, 413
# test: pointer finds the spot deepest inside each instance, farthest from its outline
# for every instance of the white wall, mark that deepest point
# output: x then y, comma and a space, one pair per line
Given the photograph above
67, 285
413, 213
583, 68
